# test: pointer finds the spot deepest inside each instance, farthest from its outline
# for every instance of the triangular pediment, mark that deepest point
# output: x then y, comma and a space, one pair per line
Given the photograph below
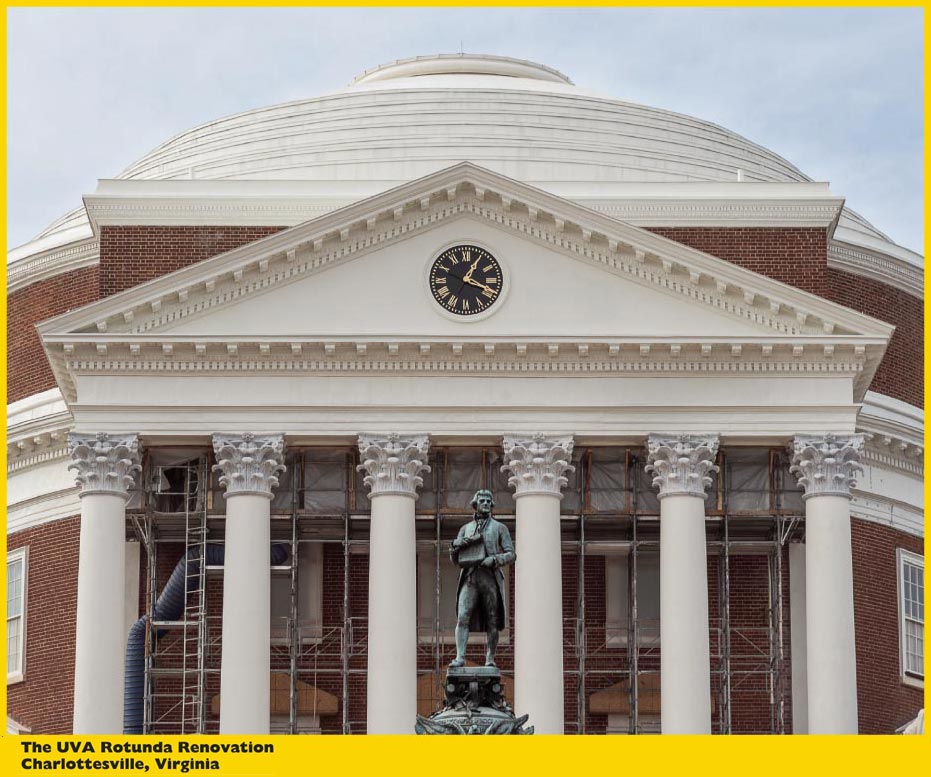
357, 276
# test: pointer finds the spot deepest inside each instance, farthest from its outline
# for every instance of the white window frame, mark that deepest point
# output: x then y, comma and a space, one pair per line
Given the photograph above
904, 557
20, 554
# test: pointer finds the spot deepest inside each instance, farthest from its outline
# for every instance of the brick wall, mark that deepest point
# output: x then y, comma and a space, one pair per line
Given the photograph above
43, 701
901, 373
794, 256
799, 257
136, 254
884, 701
28, 371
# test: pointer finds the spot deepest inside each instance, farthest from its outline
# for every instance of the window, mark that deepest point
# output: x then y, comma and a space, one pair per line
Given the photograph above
912, 615
617, 599
15, 614
309, 596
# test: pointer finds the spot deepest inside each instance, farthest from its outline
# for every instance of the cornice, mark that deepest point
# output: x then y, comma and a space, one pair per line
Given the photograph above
48, 264
877, 266
466, 190
765, 212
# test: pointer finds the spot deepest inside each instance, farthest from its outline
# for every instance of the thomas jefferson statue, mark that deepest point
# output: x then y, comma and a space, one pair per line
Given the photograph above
481, 549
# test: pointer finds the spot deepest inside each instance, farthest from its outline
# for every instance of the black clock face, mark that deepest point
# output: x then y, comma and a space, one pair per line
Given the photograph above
466, 280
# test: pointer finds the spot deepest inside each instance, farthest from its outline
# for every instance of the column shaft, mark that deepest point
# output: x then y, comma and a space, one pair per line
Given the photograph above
537, 466
831, 650
681, 466
685, 661
392, 661
799, 647
104, 466
826, 467
244, 675
100, 637
393, 466
250, 466
538, 638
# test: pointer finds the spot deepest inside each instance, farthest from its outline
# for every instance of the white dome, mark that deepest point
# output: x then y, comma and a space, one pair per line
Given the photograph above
413, 117
400, 121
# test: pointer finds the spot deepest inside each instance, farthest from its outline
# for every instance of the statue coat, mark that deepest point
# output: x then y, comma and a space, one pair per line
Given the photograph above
497, 541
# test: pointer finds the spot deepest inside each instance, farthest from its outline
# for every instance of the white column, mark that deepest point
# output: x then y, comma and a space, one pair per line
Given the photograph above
392, 466
798, 623
680, 466
250, 466
537, 466
105, 465
826, 466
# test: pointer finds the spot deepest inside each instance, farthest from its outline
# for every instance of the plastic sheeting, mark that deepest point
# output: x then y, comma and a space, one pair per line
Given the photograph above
748, 480
608, 480
325, 480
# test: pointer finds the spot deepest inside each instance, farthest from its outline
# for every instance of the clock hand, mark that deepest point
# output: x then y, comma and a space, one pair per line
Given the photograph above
480, 285
467, 278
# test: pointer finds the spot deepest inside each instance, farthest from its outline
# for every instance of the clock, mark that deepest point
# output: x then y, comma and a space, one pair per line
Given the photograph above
466, 280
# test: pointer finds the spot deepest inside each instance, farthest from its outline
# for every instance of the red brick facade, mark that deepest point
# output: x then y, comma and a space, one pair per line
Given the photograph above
799, 257
884, 701
133, 255
28, 371
44, 700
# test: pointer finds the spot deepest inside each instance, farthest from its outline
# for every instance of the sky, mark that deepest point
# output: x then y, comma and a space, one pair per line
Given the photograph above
837, 92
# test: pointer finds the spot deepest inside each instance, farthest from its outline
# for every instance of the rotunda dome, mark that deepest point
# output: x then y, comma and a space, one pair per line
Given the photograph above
408, 118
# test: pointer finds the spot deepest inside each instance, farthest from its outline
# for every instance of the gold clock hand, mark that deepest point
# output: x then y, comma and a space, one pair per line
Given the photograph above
468, 276
480, 285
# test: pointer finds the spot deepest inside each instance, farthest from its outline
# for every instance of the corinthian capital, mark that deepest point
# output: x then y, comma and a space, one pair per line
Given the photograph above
537, 465
826, 464
249, 464
104, 463
681, 464
393, 464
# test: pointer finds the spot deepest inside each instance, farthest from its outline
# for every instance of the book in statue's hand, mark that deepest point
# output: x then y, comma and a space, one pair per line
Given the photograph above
471, 555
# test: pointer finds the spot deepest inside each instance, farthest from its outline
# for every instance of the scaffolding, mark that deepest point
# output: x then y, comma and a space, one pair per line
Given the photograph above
610, 526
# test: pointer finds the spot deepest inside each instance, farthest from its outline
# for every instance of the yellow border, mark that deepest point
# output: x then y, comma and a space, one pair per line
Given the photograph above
757, 755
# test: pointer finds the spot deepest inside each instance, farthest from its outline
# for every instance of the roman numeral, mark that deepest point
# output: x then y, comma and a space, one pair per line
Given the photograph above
491, 281
443, 292
488, 293
489, 268
466, 255
441, 280
465, 304
453, 299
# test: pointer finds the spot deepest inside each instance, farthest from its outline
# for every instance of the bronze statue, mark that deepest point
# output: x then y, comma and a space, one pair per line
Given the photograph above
482, 547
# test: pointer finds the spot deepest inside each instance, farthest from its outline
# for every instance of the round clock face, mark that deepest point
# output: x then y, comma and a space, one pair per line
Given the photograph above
466, 280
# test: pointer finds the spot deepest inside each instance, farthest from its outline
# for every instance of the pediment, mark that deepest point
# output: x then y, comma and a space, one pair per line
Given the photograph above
383, 294
354, 279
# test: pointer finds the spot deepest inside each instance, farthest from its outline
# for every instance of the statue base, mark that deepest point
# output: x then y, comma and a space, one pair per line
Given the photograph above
474, 704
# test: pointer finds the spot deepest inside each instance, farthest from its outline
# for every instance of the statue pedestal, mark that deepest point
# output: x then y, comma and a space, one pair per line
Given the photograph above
474, 704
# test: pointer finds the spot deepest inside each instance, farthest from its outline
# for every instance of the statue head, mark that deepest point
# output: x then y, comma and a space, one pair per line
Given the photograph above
483, 501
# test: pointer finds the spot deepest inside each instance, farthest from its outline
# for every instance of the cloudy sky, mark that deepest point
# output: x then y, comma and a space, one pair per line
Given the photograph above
838, 92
